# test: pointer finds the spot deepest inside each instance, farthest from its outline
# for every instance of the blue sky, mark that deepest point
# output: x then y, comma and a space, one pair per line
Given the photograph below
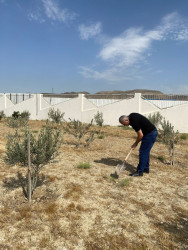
93, 45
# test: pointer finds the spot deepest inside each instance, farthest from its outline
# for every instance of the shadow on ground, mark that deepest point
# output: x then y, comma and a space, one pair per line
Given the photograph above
178, 229
21, 181
109, 161
114, 162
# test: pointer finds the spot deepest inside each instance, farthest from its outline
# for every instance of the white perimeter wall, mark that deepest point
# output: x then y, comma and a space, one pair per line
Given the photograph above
84, 110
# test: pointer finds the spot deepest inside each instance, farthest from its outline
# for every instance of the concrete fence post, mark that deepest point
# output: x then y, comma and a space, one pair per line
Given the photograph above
81, 97
36, 97
38, 103
5, 96
138, 100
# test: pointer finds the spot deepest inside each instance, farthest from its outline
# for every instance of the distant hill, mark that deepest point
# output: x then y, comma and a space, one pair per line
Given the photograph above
109, 93
73, 93
142, 91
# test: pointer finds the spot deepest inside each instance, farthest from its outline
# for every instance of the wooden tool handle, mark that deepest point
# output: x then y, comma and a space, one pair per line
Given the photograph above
128, 154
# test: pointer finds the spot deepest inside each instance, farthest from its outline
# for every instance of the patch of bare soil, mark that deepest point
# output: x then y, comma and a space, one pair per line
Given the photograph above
82, 209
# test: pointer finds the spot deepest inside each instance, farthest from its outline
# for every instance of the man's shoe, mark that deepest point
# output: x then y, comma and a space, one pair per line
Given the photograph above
146, 171
135, 174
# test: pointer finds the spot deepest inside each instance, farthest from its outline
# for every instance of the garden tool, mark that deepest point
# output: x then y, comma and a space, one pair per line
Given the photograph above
121, 167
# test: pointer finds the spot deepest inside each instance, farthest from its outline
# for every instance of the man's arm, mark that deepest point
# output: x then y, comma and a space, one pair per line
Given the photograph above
138, 139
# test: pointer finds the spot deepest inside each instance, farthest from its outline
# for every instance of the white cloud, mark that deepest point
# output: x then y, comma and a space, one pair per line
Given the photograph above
174, 27
182, 34
132, 47
109, 75
36, 17
92, 30
112, 75
126, 49
53, 11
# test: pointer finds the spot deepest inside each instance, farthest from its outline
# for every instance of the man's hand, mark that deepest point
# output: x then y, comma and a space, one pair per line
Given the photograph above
134, 146
138, 139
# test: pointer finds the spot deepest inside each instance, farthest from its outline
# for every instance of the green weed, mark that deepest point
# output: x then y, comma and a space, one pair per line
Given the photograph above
124, 182
125, 127
161, 158
101, 137
184, 136
84, 165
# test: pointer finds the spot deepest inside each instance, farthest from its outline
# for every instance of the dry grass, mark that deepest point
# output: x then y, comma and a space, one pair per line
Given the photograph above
86, 209
73, 191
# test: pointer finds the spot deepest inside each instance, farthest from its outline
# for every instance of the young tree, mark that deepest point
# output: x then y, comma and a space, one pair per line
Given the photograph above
98, 118
55, 115
155, 119
80, 131
2, 114
18, 119
16, 114
16, 122
169, 137
25, 115
43, 148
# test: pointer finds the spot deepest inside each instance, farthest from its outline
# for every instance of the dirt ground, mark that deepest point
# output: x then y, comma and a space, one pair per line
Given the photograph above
80, 209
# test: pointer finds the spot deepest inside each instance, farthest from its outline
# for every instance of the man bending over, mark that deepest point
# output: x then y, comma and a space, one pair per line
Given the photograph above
146, 133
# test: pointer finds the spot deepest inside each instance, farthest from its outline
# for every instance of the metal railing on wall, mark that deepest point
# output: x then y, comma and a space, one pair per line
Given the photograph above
54, 99
18, 97
105, 99
163, 101
96, 99
109, 96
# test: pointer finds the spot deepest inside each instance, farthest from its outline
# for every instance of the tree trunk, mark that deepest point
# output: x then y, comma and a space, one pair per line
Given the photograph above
173, 151
34, 180
29, 168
